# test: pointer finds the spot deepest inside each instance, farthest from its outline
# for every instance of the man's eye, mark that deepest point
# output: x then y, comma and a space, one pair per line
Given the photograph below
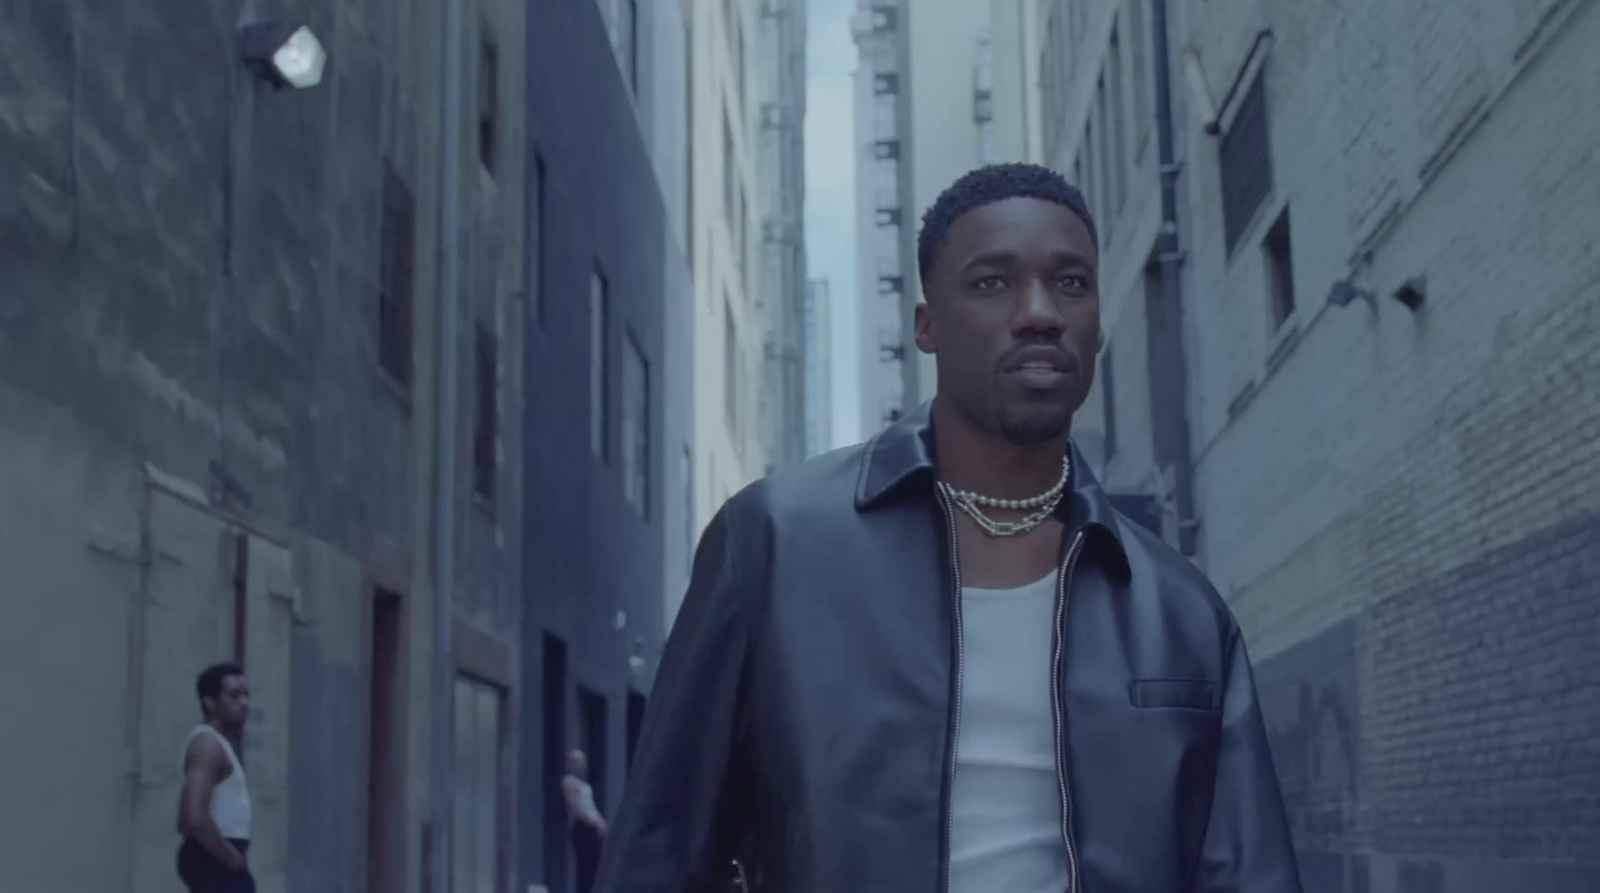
1073, 281
989, 283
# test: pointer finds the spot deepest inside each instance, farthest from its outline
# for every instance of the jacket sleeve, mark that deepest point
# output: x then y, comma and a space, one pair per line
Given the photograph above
675, 828
1248, 846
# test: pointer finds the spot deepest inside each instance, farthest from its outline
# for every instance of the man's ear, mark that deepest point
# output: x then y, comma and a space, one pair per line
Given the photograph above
924, 329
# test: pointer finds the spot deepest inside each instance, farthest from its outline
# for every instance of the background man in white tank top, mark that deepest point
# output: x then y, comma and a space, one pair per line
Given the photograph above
588, 826
214, 808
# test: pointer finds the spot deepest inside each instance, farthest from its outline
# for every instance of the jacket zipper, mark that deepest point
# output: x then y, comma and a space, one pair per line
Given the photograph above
1063, 592
955, 723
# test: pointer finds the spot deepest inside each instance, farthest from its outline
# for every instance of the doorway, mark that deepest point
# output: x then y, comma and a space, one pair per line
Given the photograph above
555, 755
385, 756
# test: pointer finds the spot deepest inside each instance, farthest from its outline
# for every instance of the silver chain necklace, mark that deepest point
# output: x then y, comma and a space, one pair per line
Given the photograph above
1043, 505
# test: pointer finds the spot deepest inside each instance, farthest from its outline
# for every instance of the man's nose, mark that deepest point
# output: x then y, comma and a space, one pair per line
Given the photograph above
1036, 311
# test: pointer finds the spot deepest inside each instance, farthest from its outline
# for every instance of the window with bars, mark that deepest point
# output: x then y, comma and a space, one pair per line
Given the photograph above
486, 432
397, 237
1246, 163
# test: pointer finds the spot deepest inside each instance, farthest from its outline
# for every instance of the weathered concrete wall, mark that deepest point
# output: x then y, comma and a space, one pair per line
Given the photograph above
189, 266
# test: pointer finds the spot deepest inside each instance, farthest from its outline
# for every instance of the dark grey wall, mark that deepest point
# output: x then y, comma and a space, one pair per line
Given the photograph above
1430, 741
587, 552
188, 264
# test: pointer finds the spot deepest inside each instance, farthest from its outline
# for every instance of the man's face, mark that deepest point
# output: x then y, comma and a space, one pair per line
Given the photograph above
577, 764
231, 706
1012, 317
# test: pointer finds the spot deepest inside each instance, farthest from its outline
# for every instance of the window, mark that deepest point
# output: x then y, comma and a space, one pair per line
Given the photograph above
728, 174
1280, 270
730, 369
1246, 164
636, 426
488, 101
1119, 125
599, 299
1091, 173
486, 433
394, 278
536, 217
1138, 41
628, 42
1106, 175
476, 784
1108, 394
688, 503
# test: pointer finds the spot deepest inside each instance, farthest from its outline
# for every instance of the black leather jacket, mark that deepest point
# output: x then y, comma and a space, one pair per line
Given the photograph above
804, 714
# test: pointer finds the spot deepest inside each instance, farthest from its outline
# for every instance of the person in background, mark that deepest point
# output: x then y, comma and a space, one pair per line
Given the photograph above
588, 826
214, 807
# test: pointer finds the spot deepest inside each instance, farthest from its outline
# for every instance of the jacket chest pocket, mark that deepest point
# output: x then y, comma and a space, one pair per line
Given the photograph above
1175, 694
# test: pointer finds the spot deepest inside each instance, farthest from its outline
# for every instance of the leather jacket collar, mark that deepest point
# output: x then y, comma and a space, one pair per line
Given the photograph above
902, 454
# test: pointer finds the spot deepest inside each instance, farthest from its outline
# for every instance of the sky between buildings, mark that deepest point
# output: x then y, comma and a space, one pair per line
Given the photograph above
830, 229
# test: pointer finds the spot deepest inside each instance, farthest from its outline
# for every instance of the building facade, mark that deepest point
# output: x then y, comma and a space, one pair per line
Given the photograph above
725, 252
780, 175
818, 367
606, 379
248, 416
1385, 465
931, 78
886, 217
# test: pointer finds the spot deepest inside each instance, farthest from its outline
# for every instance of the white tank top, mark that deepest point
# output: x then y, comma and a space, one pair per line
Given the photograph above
1005, 829
230, 799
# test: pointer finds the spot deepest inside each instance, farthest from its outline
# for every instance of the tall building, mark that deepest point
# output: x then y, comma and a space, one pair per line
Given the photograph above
885, 215
951, 104
606, 387
818, 367
725, 253
780, 173
1312, 217
248, 416
927, 82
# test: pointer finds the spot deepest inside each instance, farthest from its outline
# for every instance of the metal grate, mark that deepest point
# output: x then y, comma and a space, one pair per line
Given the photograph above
1246, 164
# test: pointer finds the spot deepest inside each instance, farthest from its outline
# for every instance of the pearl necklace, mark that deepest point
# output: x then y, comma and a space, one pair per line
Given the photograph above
1044, 505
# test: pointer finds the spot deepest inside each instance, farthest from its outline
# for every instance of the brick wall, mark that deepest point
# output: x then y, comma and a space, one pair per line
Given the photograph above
1422, 488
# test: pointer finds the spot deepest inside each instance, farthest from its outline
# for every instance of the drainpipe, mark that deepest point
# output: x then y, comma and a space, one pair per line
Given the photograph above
1173, 392
445, 450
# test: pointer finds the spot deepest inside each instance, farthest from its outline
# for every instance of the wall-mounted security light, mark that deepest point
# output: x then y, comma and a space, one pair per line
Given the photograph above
283, 55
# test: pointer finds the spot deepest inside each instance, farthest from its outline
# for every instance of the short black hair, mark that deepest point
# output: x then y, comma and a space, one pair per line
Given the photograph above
209, 684
990, 184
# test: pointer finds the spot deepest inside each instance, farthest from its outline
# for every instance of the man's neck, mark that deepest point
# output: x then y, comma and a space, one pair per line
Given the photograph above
970, 458
232, 733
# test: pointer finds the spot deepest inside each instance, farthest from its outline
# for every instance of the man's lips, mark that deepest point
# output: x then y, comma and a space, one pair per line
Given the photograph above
1041, 358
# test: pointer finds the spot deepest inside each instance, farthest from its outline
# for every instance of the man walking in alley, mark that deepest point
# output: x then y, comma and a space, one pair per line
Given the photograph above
588, 827
940, 661
214, 808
